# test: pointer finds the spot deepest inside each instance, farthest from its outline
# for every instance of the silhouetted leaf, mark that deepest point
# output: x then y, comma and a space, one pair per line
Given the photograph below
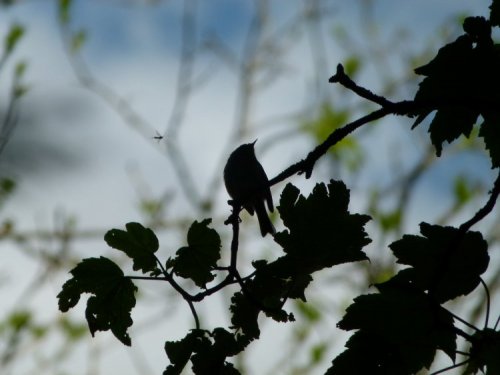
244, 317
484, 353
461, 83
367, 353
207, 351
447, 63
446, 84
449, 124
138, 243
490, 131
112, 297
441, 263
210, 357
321, 231
197, 260
478, 28
495, 13
399, 333
179, 352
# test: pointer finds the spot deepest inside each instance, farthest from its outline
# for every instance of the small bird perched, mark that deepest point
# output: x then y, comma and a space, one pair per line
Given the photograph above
247, 183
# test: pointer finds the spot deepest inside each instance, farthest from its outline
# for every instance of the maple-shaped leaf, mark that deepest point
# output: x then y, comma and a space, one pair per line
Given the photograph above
139, 243
321, 231
367, 353
490, 131
460, 83
443, 261
446, 88
399, 332
112, 300
450, 123
197, 260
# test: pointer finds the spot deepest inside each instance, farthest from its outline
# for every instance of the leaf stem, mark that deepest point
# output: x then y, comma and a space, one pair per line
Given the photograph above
496, 324
488, 302
450, 367
195, 314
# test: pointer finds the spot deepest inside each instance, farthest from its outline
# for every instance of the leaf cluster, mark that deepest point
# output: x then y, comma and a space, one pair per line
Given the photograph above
461, 83
407, 313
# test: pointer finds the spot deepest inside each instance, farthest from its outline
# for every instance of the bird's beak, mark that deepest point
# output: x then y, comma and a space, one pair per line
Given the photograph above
253, 143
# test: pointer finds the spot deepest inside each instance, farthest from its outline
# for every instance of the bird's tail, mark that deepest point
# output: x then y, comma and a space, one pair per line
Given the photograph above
264, 222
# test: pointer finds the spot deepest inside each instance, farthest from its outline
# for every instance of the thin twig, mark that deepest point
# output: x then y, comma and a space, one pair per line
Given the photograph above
344, 80
306, 165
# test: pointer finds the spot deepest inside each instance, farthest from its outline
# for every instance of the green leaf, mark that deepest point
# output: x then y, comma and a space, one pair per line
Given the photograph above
321, 231
72, 330
328, 119
352, 65
7, 187
197, 260
138, 243
318, 352
112, 298
442, 261
64, 11
484, 353
495, 13
15, 33
309, 311
406, 327
78, 40
20, 69
462, 190
19, 320
490, 131
390, 220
